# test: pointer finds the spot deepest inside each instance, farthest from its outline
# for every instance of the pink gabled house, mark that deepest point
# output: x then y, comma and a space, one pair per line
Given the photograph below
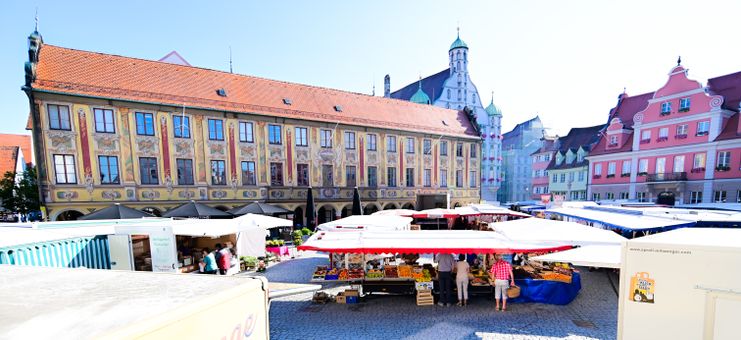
680, 144
540, 159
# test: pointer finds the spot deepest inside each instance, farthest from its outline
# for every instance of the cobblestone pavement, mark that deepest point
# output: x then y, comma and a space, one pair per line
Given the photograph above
592, 315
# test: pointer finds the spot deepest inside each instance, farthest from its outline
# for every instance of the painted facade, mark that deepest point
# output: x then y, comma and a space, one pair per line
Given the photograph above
681, 141
453, 89
540, 159
569, 167
517, 146
152, 147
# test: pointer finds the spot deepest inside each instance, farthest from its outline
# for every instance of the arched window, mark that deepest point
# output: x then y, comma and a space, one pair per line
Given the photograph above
448, 93
473, 96
465, 56
459, 64
460, 95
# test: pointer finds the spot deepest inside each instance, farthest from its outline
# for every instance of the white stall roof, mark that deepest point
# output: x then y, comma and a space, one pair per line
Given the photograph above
15, 234
264, 221
702, 237
623, 221
66, 303
395, 212
367, 222
566, 233
591, 256
421, 242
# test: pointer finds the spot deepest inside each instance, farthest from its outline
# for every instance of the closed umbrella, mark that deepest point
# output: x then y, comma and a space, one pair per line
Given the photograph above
310, 212
357, 208
115, 212
193, 209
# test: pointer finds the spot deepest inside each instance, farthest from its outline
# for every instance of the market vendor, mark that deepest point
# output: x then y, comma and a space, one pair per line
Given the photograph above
501, 274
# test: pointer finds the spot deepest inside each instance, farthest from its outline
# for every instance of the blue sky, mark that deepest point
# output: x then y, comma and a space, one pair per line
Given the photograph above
564, 60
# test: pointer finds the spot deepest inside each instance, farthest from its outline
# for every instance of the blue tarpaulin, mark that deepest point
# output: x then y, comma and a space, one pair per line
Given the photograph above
550, 292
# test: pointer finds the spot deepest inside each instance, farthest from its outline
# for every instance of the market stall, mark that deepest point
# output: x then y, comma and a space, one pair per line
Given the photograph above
175, 245
566, 233
367, 222
394, 261
630, 223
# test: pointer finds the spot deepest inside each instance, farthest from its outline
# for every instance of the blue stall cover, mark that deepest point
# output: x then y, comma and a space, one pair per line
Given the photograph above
550, 292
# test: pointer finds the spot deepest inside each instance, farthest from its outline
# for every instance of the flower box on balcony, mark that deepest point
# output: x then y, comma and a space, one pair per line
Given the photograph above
684, 136
642, 173
702, 133
597, 176
645, 141
612, 145
625, 175
697, 170
684, 109
662, 139
721, 168
610, 176
665, 113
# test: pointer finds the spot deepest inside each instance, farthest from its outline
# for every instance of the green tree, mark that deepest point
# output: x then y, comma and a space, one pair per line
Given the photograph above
21, 197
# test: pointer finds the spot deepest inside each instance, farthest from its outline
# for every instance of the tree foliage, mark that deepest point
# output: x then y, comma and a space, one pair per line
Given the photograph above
23, 196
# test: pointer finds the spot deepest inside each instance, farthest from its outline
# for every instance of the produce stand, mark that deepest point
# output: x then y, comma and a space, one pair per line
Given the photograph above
356, 257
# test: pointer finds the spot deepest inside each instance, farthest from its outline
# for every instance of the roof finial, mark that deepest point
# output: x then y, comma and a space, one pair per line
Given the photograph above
624, 89
492, 97
420, 82
458, 29
374, 89
679, 60
36, 19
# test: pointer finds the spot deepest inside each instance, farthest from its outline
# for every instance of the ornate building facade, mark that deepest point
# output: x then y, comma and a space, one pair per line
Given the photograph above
453, 88
679, 144
152, 135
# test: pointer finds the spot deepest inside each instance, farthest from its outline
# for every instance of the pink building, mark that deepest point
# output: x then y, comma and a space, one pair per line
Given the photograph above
540, 159
681, 143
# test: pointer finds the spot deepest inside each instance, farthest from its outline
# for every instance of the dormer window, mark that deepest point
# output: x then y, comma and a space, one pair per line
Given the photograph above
666, 108
684, 105
221, 92
580, 157
613, 141
287, 101
338, 108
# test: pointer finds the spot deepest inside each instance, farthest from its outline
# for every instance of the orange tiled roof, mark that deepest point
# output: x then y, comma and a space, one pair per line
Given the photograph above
96, 74
8, 158
22, 141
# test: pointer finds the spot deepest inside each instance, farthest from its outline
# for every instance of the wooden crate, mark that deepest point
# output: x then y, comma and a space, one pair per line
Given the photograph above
424, 298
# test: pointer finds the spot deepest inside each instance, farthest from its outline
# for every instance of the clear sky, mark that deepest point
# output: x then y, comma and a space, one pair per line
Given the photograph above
566, 61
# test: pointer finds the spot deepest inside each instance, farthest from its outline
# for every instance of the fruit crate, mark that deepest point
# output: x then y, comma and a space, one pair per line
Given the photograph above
424, 298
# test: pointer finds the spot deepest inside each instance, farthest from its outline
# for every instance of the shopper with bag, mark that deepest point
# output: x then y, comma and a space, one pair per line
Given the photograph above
501, 274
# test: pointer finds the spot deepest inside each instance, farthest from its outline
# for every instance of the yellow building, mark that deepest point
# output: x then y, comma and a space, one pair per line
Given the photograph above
152, 134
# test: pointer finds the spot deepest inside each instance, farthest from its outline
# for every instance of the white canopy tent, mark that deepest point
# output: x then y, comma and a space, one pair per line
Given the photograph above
602, 256
422, 242
566, 233
264, 221
627, 222
395, 212
368, 222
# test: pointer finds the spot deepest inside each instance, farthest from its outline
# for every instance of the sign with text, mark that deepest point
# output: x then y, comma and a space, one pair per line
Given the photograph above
164, 252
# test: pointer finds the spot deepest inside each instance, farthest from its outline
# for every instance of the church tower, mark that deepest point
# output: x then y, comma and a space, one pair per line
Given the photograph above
453, 88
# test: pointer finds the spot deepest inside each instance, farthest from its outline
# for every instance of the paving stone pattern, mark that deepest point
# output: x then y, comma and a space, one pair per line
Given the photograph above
592, 315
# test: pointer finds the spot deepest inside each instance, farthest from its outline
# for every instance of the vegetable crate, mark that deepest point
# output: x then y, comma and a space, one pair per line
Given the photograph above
424, 297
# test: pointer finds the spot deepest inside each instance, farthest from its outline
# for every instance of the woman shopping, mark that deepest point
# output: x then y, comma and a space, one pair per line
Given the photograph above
501, 273
462, 269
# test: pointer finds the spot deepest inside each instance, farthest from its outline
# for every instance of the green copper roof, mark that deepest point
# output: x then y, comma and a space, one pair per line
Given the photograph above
458, 43
420, 97
493, 110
